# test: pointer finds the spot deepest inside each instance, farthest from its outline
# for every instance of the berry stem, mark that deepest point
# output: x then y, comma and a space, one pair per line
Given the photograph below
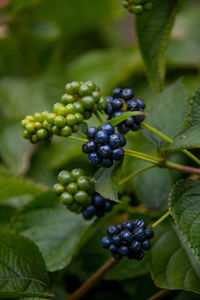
88, 285
136, 173
166, 138
159, 295
81, 134
142, 156
161, 219
99, 117
75, 138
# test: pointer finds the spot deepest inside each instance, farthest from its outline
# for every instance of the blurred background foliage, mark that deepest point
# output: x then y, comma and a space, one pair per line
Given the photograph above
46, 43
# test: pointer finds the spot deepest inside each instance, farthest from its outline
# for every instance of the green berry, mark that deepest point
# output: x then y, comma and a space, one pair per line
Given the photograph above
75, 128
84, 183
46, 125
58, 188
88, 102
148, 6
102, 104
81, 197
76, 173
29, 118
66, 98
38, 117
91, 85
79, 117
30, 127
26, 134
24, 122
125, 4
96, 96
41, 134
59, 121
66, 131
34, 139
66, 198
72, 188
65, 177
74, 207
136, 9
73, 87
79, 107
37, 125
71, 120
84, 90
55, 130
88, 201
44, 114
71, 109
50, 118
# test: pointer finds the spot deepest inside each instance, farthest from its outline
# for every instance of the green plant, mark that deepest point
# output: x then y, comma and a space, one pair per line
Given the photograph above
141, 179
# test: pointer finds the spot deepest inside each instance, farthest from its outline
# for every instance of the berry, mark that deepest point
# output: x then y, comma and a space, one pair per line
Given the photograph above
72, 188
149, 233
118, 153
58, 188
127, 94
99, 201
80, 197
76, 173
91, 131
105, 151
65, 177
114, 140
117, 93
107, 162
66, 198
141, 103
128, 239
117, 104
101, 137
108, 128
93, 158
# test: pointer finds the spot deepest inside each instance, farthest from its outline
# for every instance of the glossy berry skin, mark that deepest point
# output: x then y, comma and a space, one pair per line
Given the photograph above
137, 6
117, 92
108, 128
94, 158
129, 239
91, 131
98, 207
101, 137
127, 94
105, 151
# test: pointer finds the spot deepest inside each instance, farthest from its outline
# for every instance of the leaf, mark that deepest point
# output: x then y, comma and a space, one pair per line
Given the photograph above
107, 181
172, 264
194, 115
184, 203
115, 121
187, 140
6, 213
22, 269
167, 113
53, 228
153, 31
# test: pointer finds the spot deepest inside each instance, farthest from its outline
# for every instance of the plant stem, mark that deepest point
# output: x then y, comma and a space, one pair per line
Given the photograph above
88, 285
159, 295
166, 138
98, 117
75, 138
81, 134
161, 219
136, 173
142, 156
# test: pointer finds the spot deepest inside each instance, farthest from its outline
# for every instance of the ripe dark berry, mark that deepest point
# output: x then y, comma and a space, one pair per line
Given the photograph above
117, 104
91, 131
91, 146
127, 94
109, 108
118, 154
128, 239
141, 103
132, 105
114, 140
105, 242
108, 128
117, 93
98, 200
149, 233
106, 162
101, 137
93, 158
105, 151
123, 128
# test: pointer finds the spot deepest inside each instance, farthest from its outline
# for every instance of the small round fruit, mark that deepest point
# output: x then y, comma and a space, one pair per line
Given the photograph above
93, 158
84, 90
41, 134
114, 140
76, 173
58, 188
66, 131
59, 121
91, 131
136, 9
101, 137
108, 128
65, 177
88, 102
84, 183
66, 198
79, 107
71, 119
30, 127
117, 93
81, 197
72, 188
66, 99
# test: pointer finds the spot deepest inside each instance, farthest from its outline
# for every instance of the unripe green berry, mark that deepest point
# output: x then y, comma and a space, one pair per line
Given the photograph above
88, 201
46, 125
96, 96
79, 107
30, 127
71, 109
66, 198
84, 183
38, 117
66, 99
136, 9
37, 125
66, 131
29, 118
65, 177
102, 104
55, 130
79, 117
75, 128
24, 122
26, 134
41, 134
58, 188
71, 119
72, 188
59, 121
125, 4
74, 207
76, 173
88, 102
34, 139
84, 90
81, 197
44, 114
91, 85
60, 109
50, 118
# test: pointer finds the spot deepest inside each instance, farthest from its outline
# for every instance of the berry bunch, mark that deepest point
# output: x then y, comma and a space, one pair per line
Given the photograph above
121, 101
85, 96
104, 146
128, 239
98, 207
36, 128
74, 189
137, 6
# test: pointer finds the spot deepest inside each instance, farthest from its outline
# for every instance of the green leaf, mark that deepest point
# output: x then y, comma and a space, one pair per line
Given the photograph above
53, 228
6, 213
115, 121
167, 113
172, 263
153, 31
194, 115
187, 140
107, 181
22, 272
184, 205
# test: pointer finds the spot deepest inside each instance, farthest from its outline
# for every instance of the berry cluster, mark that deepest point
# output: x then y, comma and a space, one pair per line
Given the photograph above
137, 6
128, 239
36, 128
74, 189
98, 207
85, 96
104, 146
121, 101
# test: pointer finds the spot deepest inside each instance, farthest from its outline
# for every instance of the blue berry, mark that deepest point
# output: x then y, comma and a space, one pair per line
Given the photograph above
132, 105
126, 236
105, 151
141, 103
98, 200
135, 127
141, 224
116, 240
114, 140
108, 205
100, 213
101, 137
127, 94
123, 250
91, 146
109, 108
117, 104
91, 131
149, 233
112, 230
105, 242
128, 225
146, 245
123, 140
93, 158
117, 93
136, 246
129, 121
139, 234
108, 128
85, 148
91, 209
87, 215
107, 162
123, 128
139, 255
113, 248
118, 154
116, 114
139, 118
